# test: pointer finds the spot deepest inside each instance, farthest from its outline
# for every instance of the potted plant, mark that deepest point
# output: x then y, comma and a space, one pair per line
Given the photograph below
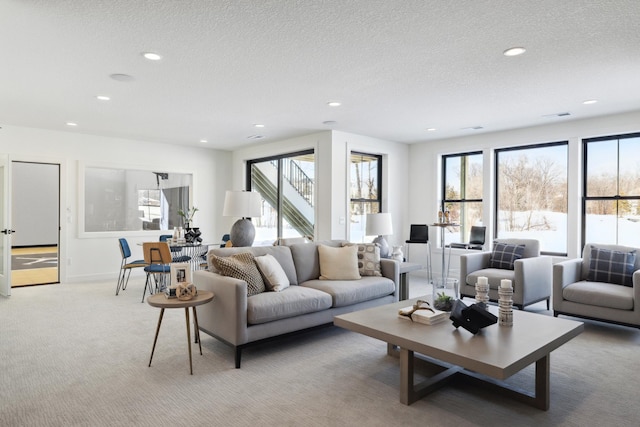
187, 217
443, 302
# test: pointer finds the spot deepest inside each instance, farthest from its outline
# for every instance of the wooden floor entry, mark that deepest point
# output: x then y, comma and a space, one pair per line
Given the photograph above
34, 276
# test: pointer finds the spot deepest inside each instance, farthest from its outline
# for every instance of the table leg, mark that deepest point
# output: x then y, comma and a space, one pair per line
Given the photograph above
404, 287
406, 376
155, 340
543, 370
197, 331
186, 313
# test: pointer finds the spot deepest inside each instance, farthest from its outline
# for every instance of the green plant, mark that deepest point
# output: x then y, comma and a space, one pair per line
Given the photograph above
187, 216
442, 297
443, 302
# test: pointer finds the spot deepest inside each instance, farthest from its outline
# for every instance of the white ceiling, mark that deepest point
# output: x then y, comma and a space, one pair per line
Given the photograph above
397, 66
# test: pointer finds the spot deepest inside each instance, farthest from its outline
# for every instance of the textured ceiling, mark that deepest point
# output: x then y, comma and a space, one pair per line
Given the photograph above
398, 66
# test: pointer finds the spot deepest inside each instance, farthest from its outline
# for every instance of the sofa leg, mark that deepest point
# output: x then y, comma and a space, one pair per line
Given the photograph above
548, 303
238, 357
555, 313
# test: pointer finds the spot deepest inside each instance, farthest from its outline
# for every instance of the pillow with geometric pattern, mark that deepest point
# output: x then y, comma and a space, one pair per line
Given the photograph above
368, 258
611, 266
504, 255
241, 266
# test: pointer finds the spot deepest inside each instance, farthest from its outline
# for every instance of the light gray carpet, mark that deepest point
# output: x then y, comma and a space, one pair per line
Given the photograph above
77, 355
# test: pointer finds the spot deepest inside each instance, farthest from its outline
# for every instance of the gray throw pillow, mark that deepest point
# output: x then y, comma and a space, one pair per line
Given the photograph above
504, 255
611, 266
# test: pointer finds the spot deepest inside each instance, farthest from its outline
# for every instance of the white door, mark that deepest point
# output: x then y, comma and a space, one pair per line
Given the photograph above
5, 228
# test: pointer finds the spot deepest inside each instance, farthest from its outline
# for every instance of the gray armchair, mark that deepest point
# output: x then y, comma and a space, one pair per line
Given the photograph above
531, 275
576, 294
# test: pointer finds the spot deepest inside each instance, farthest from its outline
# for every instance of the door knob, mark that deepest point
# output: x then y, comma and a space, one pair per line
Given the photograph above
7, 231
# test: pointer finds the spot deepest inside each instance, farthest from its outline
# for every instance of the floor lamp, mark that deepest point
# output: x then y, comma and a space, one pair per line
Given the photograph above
380, 224
244, 204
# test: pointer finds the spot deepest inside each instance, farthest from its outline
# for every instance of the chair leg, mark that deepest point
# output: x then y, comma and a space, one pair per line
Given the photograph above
121, 280
146, 283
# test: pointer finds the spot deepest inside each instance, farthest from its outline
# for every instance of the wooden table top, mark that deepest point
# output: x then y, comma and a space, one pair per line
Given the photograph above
161, 301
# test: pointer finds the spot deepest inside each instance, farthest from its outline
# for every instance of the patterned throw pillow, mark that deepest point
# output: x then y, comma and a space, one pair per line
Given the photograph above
611, 266
241, 266
368, 258
504, 255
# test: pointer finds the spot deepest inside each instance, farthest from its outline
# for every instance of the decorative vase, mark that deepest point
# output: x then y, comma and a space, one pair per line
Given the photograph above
397, 254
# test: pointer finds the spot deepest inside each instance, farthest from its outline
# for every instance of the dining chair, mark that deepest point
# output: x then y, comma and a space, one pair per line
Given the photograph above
126, 266
175, 250
158, 258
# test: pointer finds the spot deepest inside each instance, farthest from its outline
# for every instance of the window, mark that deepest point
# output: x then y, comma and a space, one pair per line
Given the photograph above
133, 200
611, 193
286, 184
462, 193
365, 192
531, 195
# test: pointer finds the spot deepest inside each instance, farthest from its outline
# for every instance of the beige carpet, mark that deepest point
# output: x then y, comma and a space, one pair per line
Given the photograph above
77, 355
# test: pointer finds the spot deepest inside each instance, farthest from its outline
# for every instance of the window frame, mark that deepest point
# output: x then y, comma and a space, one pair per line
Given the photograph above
497, 151
379, 187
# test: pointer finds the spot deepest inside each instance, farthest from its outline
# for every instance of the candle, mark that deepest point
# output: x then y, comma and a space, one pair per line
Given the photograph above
482, 280
505, 283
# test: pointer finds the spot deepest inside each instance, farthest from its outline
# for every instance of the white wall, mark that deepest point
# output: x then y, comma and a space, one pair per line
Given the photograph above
425, 164
98, 257
332, 149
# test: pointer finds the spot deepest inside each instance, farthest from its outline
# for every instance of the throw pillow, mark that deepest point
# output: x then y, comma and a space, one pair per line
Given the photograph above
274, 276
338, 263
241, 266
368, 258
504, 255
611, 266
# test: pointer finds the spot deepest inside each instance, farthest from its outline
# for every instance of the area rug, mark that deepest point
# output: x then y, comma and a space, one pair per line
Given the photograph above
31, 261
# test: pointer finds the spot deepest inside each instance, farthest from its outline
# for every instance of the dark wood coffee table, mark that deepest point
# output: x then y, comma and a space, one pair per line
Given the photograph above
492, 355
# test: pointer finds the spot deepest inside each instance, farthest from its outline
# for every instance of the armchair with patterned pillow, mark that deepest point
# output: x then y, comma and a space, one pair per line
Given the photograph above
518, 260
602, 285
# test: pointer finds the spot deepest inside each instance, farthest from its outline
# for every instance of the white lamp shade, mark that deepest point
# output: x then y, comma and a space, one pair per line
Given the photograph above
379, 224
244, 204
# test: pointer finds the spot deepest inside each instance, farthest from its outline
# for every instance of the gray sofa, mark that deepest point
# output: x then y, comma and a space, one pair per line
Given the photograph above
574, 295
239, 320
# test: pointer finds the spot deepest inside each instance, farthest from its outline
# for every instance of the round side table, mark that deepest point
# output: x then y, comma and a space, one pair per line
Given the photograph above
162, 302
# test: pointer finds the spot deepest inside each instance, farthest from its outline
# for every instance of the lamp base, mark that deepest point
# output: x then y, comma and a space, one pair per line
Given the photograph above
242, 233
384, 246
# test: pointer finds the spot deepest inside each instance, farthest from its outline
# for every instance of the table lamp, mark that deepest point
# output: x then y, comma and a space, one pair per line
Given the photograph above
244, 204
380, 224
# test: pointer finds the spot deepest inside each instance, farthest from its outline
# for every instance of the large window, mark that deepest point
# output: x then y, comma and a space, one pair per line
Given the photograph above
286, 184
611, 201
462, 193
365, 192
531, 195
131, 200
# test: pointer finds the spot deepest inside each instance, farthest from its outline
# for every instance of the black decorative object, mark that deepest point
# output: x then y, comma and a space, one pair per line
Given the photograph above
472, 318
192, 235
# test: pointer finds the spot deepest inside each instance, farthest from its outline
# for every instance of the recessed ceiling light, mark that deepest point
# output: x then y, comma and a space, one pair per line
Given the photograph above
152, 56
334, 104
590, 101
72, 124
204, 141
431, 129
121, 77
258, 125
514, 51
103, 98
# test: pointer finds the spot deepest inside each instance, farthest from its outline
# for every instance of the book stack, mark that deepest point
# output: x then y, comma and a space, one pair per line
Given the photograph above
425, 315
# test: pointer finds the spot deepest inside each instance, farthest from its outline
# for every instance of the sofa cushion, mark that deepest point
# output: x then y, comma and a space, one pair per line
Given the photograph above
368, 258
611, 266
275, 279
338, 263
292, 301
280, 253
599, 294
348, 292
494, 275
243, 267
504, 255
305, 256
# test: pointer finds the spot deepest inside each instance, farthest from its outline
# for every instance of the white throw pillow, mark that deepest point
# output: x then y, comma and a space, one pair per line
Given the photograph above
274, 276
338, 263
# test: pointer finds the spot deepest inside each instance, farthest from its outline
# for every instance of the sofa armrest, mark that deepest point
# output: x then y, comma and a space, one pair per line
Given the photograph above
225, 316
391, 270
565, 273
472, 262
636, 291
533, 278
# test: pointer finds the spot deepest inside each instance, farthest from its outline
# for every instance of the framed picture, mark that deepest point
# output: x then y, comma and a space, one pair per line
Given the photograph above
180, 272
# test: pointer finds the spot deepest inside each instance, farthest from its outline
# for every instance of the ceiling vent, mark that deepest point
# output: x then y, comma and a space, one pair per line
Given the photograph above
472, 128
557, 115
255, 137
